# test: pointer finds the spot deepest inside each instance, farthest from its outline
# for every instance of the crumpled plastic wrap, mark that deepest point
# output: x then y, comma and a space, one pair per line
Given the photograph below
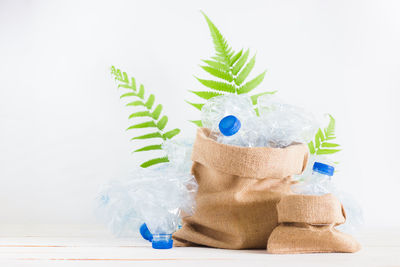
278, 125
160, 197
179, 151
284, 124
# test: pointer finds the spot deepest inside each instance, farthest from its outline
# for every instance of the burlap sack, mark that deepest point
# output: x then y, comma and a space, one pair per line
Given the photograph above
239, 188
307, 226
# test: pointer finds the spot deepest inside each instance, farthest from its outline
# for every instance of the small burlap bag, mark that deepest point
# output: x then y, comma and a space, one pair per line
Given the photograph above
239, 188
307, 225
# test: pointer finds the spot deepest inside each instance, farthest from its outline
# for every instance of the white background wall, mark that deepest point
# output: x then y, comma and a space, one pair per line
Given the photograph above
62, 123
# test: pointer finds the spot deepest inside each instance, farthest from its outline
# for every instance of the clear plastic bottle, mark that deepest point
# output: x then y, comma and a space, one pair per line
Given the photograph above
319, 183
232, 132
232, 111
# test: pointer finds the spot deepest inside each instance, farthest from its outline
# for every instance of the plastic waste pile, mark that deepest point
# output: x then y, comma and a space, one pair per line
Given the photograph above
233, 120
152, 200
155, 200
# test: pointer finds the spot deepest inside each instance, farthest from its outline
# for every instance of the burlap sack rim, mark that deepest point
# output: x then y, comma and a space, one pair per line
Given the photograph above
311, 209
250, 162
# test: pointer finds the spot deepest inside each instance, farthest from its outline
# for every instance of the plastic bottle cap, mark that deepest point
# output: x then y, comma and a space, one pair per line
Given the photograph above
323, 168
162, 241
229, 125
145, 232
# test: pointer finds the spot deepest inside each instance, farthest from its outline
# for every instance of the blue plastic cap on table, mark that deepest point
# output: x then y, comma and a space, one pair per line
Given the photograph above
145, 232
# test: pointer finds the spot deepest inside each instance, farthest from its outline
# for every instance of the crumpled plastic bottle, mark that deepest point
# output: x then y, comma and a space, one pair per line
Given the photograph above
278, 125
159, 197
236, 111
285, 124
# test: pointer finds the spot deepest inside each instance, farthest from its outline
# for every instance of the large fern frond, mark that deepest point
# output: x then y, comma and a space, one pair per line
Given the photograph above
148, 110
321, 144
231, 69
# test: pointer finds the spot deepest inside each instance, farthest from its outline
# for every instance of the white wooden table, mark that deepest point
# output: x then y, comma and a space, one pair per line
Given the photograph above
66, 245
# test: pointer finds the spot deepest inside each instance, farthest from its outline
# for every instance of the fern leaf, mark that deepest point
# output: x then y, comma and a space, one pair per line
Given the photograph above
148, 136
162, 122
327, 151
329, 145
154, 161
254, 98
240, 63
146, 124
157, 111
205, 94
124, 85
150, 101
218, 73
196, 105
136, 103
319, 137
149, 148
123, 78
321, 145
311, 147
330, 130
133, 83
127, 94
198, 123
172, 133
220, 44
140, 114
247, 87
219, 86
141, 92
236, 57
245, 71
217, 65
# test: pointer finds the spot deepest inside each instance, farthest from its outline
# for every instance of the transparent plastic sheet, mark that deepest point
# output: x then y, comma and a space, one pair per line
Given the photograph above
284, 124
160, 197
179, 151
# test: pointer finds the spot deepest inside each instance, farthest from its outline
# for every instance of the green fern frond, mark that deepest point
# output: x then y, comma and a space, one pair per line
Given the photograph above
240, 63
154, 162
232, 68
196, 105
321, 146
221, 45
222, 74
218, 86
250, 85
255, 97
171, 134
206, 94
245, 71
197, 122
149, 148
146, 110
148, 136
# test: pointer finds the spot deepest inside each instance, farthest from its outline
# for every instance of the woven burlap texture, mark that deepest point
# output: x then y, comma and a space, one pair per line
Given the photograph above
239, 188
307, 225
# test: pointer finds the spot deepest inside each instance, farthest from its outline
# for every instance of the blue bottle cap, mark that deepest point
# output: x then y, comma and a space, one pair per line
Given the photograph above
229, 125
162, 242
323, 168
145, 232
